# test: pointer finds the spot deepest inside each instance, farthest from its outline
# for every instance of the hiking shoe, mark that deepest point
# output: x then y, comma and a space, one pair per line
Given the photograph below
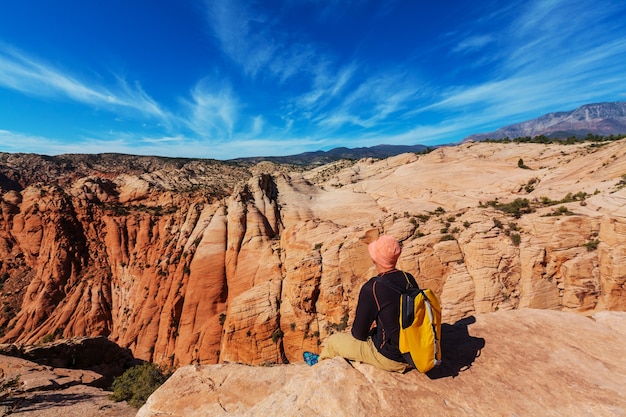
310, 358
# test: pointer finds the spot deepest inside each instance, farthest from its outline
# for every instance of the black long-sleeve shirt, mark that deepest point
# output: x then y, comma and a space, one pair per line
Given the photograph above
381, 304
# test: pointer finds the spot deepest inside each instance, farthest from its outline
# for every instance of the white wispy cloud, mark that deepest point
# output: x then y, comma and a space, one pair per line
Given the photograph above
474, 43
546, 62
259, 44
15, 142
548, 32
327, 85
213, 110
33, 77
241, 35
373, 101
542, 55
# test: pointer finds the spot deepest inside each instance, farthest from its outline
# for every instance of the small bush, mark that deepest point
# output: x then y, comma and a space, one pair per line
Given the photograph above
592, 245
561, 211
516, 208
47, 338
446, 237
342, 325
137, 384
277, 335
513, 226
9, 384
516, 239
423, 217
522, 165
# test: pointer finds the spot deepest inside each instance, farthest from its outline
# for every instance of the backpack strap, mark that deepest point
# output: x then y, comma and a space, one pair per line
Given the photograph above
398, 289
408, 282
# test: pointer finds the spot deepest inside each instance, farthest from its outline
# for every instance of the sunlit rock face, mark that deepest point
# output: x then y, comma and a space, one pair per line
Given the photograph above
199, 262
522, 362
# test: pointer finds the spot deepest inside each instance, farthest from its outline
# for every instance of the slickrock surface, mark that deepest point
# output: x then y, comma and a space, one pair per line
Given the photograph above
509, 363
198, 262
45, 391
93, 354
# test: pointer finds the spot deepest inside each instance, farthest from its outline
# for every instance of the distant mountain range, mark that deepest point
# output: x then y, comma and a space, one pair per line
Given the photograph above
324, 157
603, 119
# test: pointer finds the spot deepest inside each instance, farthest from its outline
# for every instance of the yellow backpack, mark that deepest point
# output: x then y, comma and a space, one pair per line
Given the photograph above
420, 326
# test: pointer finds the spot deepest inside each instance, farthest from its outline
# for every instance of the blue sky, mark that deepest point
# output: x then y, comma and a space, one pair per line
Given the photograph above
226, 79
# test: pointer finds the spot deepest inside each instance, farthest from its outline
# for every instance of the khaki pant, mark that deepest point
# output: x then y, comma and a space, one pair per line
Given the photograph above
346, 346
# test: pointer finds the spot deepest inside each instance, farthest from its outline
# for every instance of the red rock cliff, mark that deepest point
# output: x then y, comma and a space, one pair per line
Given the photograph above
187, 261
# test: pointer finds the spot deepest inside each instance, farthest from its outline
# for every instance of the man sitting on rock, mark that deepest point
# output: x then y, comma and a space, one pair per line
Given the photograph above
380, 305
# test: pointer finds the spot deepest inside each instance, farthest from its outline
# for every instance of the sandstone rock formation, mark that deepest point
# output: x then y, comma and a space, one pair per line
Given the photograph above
509, 363
34, 390
186, 261
94, 354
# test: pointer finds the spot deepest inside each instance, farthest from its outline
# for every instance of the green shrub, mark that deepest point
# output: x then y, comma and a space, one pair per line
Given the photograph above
7, 385
561, 211
342, 325
592, 245
515, 208
138, 383
277, 335
516, 238
47, 338
423, 217
513, 226
446, 237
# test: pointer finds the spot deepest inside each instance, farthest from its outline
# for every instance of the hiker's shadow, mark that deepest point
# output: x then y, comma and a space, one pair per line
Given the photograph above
458, 349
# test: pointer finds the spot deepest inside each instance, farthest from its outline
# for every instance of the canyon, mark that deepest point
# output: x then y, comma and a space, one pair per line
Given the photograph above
194, 262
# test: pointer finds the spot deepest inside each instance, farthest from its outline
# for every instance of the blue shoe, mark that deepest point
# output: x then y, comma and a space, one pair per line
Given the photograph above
310, 358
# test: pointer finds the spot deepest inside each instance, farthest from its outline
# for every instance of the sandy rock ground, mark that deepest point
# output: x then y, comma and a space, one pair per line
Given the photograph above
509, 363
43, 391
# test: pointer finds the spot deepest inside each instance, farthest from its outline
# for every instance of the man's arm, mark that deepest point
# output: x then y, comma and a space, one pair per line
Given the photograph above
366, 311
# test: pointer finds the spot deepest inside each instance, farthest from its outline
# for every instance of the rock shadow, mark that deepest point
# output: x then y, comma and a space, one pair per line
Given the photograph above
41, 401
458, 349
97, 354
